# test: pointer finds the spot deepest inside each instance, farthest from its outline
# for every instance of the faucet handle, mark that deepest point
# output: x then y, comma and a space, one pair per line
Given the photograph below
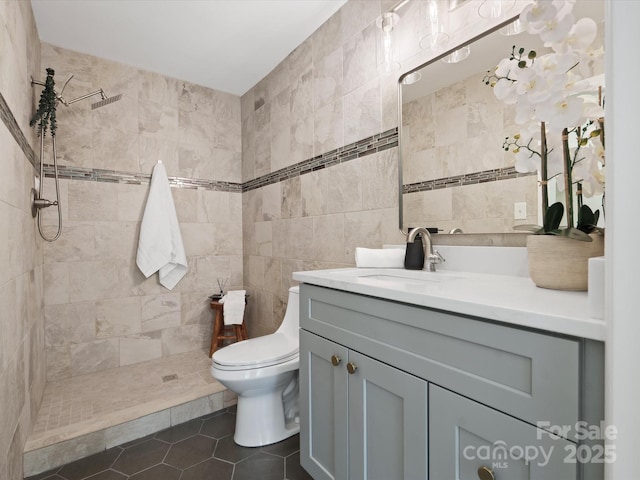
436, 258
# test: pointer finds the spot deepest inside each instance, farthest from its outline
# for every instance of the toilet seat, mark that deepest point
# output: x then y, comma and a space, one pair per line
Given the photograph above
257, 353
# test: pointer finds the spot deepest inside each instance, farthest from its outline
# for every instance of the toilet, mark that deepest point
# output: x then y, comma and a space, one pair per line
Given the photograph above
263, 372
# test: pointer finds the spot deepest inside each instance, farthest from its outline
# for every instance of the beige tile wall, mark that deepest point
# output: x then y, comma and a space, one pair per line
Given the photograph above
327, 93
100, 311
22, 368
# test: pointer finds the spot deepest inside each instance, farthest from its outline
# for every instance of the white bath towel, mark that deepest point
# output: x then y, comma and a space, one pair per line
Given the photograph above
379, 257
233, 307
160, 247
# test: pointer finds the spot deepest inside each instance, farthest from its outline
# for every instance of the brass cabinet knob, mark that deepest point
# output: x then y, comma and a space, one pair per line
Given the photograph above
485, 473
335, 360
351, 367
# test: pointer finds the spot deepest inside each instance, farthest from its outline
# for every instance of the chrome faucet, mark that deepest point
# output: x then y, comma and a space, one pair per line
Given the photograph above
431, 256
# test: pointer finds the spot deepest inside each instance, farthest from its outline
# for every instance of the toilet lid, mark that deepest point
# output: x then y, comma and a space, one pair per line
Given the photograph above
258, 352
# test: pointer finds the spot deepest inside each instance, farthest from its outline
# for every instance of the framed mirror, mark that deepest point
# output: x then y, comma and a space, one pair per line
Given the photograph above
455, 174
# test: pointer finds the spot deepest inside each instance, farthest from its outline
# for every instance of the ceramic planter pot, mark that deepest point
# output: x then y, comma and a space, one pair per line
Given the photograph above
561, 263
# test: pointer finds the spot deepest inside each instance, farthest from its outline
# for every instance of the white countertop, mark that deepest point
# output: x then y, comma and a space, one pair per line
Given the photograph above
509, 299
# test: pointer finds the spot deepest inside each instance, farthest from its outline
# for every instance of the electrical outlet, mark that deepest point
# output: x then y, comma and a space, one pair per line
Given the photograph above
520, 211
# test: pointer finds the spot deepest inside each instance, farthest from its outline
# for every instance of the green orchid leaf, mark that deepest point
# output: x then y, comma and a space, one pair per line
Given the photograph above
576, 234
537, 229
553, 217
587, 219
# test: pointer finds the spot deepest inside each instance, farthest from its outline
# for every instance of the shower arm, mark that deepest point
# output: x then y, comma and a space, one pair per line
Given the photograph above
97, 92
66, 103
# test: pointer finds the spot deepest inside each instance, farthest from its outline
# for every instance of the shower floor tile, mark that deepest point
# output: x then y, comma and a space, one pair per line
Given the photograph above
80, 405
201, 449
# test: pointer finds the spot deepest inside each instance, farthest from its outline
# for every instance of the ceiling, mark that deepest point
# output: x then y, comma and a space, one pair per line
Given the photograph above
227, 45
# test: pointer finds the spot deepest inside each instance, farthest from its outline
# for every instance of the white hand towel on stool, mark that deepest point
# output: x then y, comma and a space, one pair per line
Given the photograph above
233, 307
160, 247
379, 257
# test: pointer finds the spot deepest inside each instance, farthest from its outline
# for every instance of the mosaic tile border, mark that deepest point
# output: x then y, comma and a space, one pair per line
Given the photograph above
366, 146
113, 176
15, 130
484, 176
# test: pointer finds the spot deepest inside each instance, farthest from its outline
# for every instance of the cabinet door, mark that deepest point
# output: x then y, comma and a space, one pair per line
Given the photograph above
323, 408
467, 436
387, 422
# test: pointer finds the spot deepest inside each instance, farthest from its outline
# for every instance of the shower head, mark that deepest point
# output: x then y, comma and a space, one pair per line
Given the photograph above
105, 101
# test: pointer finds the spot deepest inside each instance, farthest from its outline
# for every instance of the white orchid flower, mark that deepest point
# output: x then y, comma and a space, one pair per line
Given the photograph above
579, 38
587, 59
597, 153
593, 109
563, 7
534, 86
563, 112
526, 161
505, 91
591, 175
557, 30
535, 16
508, 68
525, 112
555, 66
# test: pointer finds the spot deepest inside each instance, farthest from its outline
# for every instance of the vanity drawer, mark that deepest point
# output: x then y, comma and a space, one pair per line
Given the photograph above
529, 375
468, 437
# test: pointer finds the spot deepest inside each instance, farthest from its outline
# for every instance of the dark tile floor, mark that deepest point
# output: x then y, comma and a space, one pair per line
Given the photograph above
202, 449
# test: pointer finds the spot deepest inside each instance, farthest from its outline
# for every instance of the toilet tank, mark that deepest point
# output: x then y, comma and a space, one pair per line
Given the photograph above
291, 321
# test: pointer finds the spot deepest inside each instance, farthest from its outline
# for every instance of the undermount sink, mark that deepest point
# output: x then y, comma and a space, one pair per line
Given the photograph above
426, 278
405, 276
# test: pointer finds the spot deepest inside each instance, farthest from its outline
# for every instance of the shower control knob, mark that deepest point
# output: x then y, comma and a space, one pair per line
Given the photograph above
351, 367
335, 360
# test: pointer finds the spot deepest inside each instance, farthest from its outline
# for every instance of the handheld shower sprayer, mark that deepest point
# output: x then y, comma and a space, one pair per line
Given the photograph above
45, 118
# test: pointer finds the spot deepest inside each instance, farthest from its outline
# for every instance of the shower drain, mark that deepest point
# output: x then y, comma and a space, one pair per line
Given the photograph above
168, 378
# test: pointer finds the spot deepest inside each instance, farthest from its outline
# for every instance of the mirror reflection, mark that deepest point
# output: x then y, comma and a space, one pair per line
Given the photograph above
455, 173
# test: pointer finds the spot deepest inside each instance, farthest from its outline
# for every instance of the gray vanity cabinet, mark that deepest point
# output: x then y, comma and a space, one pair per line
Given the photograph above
363, 419
390, 390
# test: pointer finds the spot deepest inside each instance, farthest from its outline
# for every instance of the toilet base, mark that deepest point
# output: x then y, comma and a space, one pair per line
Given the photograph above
260, 421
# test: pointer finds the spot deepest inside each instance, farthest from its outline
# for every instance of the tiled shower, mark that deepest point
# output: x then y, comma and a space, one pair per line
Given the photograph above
79, 306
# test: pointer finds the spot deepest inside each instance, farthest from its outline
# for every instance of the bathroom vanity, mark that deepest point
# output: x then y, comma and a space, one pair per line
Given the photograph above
447, 375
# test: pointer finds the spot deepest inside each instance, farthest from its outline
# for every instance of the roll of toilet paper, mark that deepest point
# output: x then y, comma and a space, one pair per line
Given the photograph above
596, 287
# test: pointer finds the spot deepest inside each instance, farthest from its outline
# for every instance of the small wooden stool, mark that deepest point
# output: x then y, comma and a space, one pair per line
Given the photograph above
222, 332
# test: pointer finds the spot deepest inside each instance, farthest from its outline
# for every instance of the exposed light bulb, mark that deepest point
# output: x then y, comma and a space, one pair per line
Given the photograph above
458, 56
494, 9
513, 28
438, 20
387, 60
